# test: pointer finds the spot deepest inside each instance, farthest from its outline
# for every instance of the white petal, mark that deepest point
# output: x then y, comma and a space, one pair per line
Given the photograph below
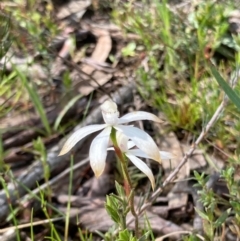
130, 144
122, 141
138, 115
78, 135
166, 155
142, 140
137, 152
142, 167
98, 151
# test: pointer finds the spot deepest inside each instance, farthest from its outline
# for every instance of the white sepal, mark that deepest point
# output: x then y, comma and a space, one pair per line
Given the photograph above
138, 115
79, 135
130, 144
166, 155
137, 152
98, 151
142, 140
122, 141
142, 167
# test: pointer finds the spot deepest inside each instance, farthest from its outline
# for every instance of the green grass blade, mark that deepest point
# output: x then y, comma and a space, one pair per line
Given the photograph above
11, 209
226, 88
67, 220
31, 227
65, 109
35, 99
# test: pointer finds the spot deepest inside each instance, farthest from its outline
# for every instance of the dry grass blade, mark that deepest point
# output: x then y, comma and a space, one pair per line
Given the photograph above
27, 225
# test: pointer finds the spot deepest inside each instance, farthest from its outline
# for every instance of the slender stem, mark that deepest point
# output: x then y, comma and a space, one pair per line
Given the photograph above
123, 220
122, 159
69, 202
129, 190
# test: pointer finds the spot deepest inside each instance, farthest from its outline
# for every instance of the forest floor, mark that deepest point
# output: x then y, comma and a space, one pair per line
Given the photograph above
60, 60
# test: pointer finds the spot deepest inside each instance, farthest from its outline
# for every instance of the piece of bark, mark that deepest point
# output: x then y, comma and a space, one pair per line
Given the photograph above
162, 211
21, 119
99, 55
9, 235
58, 67
74, 9
18, 155
169, 143
197, 161
25, 136
101, 186
94, 187
234, 21
10, 59
102, 78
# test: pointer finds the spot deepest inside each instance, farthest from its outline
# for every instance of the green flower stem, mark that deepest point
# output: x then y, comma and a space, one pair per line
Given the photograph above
123, 220
127, 180
123, 161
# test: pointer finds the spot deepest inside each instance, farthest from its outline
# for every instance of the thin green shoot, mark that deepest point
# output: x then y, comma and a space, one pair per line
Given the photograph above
87, 107
226, 87
69, 200
40, 199
54, 232
35, 99
31, 227
15, 222
69, 105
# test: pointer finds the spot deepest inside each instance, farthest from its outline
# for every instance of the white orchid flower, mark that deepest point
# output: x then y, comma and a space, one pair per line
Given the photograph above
125, 145
98, 148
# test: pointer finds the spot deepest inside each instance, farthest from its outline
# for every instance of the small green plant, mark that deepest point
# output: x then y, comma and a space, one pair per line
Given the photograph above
12, 214
5, 37
216, 210
234, 194
129, 50
40, 152
117, 207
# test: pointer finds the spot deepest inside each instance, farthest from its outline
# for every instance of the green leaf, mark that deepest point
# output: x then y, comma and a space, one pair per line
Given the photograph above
145, 237
35, 99
113, 214
197, 175
120, 189
112, 201
202, 214
222, 218
226, 88
65, 110
124, 235
129, 50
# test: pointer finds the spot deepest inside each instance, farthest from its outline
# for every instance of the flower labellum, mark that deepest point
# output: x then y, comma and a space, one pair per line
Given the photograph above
110, 112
